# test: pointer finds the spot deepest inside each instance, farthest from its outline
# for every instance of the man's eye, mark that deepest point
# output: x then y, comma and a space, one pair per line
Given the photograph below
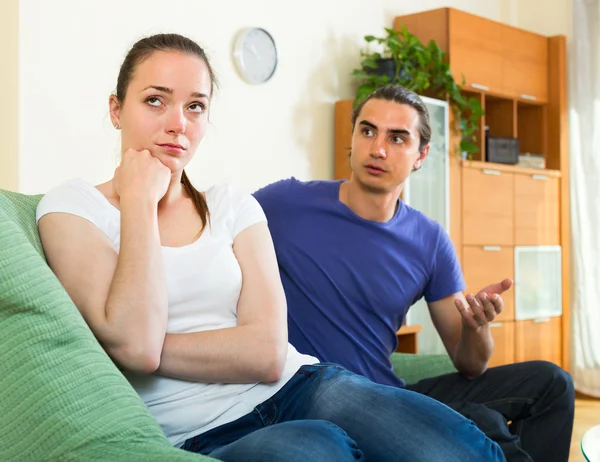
397, 140
367, 132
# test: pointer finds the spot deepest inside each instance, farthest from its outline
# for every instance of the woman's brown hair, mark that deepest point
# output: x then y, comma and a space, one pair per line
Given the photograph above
141, 51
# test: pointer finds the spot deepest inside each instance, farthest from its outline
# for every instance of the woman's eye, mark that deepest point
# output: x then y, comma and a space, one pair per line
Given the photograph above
153, 101
196, 107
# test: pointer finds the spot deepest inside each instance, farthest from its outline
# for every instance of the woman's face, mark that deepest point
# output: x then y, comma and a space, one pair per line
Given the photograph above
165, 109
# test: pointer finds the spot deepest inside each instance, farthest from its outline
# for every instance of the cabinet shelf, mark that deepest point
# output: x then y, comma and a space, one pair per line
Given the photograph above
511, 168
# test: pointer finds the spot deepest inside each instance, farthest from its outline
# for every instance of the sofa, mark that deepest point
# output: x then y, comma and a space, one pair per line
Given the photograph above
62, 398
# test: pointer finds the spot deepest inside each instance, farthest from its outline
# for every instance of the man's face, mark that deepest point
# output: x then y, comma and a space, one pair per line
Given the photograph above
385, 145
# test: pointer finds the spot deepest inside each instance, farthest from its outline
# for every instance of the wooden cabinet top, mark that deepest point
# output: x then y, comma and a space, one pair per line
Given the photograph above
491, 56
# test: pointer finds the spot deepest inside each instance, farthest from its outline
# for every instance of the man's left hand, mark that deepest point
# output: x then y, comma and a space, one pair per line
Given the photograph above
484, 307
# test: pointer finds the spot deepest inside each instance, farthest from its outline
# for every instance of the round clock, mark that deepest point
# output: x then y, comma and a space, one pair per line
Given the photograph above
255, 55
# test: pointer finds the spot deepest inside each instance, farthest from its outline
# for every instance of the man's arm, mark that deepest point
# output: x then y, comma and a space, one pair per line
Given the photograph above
463, 325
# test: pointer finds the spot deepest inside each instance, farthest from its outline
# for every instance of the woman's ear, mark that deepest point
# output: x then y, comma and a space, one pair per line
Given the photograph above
115, 108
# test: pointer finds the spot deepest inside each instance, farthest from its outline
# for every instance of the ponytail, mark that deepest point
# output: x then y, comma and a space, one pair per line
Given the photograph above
197, 199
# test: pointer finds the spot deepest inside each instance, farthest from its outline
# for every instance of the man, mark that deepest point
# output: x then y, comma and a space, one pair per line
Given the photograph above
353, 259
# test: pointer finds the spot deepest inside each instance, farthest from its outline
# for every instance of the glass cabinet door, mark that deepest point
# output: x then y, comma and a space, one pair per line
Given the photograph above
427, 190
538, 282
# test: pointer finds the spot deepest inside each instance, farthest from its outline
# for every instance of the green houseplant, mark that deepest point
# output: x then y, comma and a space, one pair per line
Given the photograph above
404, 60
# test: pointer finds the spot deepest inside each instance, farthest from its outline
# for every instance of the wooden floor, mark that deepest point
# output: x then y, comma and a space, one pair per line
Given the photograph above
587, 415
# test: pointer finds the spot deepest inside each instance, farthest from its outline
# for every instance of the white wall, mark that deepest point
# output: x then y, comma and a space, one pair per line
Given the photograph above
542, 16
70, 51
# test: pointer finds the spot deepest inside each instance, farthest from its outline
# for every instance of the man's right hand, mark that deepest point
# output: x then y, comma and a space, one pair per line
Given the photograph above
140, 174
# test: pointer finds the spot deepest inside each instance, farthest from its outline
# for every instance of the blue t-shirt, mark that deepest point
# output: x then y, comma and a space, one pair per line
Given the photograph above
348, 281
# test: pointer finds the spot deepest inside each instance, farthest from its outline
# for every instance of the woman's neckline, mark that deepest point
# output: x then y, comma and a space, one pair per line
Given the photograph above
116, 211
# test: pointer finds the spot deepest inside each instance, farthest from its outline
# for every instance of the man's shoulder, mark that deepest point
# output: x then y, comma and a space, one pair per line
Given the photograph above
420, 221
293, 189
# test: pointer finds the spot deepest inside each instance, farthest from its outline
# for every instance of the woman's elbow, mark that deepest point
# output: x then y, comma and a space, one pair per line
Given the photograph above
135, 358
273, 364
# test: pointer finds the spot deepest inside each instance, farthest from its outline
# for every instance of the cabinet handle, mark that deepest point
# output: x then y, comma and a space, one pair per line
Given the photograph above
480, 87
529, 97
491, 248
539, 177
488, 171
541, 320
496, 324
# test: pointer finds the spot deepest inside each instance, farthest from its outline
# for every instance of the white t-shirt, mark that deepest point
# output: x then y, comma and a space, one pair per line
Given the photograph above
204, 281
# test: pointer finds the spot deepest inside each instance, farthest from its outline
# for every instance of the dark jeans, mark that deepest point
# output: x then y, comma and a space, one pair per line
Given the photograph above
326, 413
527, 408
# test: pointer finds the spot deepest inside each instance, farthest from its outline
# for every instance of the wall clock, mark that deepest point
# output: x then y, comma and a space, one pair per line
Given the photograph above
255, 55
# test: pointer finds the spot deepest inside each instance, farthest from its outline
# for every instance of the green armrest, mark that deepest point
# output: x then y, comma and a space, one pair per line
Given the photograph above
412, 368
62, 396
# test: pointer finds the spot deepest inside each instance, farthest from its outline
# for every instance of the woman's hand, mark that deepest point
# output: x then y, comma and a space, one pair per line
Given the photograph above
141, 175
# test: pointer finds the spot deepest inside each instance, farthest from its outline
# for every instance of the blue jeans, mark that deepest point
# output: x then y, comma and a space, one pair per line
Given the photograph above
327, 413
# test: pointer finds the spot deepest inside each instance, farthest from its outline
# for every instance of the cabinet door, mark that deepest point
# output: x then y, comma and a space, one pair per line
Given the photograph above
427, 189
488, 207
503, 334
486, 264
343, 139
539, 339
525, 64
537, 210
538, 282
476, 51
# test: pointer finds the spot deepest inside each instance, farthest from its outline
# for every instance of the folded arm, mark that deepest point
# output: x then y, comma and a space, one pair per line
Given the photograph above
253, 351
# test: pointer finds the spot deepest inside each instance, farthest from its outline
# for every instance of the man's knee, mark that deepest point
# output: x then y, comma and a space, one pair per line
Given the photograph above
556, 378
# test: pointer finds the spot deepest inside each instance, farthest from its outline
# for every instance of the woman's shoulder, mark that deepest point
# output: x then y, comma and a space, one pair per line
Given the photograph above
75, 196
230, 204
225, 196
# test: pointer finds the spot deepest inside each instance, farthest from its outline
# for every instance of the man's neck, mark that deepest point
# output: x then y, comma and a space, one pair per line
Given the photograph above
369, 205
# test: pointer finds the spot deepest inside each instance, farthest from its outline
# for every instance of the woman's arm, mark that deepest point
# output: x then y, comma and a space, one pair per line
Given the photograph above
253, 351
122, 296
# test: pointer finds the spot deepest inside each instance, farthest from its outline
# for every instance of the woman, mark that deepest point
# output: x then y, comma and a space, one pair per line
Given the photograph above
182, 289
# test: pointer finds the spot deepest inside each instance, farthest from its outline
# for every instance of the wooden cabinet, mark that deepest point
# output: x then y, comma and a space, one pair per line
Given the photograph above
539, 339
487, 207
525, 65
492, 56
343, 138
503, 334
483, 265
537, 209
476, 51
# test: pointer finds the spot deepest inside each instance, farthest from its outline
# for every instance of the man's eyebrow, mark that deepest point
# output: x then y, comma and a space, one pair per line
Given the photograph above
393, 131
169, 91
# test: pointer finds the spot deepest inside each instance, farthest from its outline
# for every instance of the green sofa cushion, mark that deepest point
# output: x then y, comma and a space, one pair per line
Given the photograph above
413, 368
62, 398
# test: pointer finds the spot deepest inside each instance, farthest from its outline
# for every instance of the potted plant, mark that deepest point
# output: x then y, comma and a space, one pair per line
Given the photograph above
404, 60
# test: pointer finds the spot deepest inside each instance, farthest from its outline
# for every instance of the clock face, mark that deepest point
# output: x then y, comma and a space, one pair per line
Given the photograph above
255, 55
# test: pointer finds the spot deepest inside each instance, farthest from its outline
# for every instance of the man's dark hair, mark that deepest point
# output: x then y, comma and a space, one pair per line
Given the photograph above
401, 95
